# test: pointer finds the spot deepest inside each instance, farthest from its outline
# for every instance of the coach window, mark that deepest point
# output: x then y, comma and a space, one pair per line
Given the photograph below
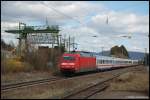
101, 61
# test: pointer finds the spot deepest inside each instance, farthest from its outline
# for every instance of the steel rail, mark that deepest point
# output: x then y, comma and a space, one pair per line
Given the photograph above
84, 93
28, 83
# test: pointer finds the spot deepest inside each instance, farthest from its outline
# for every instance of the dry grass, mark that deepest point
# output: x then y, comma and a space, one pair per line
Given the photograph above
54, 89
24, 76
59, 88
15, 65
131, 81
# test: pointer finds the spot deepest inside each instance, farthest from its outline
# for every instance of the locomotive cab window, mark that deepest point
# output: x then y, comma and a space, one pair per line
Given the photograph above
68, 58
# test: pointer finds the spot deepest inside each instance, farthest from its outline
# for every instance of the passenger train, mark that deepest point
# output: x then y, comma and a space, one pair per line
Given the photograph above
80, 61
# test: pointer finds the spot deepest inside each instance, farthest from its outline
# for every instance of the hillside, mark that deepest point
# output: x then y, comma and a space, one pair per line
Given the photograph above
120, 52
132, 54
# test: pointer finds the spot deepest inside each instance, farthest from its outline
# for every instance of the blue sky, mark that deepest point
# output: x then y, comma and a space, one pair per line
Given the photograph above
124, 17
140, 7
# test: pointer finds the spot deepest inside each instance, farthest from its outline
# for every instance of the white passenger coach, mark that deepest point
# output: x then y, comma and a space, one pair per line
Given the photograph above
105, 62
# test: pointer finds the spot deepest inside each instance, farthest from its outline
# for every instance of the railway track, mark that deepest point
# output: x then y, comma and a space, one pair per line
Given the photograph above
26, 84
92, 89
87, 92
30, 83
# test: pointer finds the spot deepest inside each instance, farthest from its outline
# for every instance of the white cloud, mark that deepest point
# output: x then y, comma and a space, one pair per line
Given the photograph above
92, 15
119, 22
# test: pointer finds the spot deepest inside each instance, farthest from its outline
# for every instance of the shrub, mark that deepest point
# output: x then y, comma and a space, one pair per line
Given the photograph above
15, 65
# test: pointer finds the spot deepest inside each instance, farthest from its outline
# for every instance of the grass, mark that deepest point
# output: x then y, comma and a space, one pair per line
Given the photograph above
131, 81
52, 90
58, 89
13, 65
11, 78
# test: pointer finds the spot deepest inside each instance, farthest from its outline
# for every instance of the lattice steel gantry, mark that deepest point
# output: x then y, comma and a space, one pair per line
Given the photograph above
47, 34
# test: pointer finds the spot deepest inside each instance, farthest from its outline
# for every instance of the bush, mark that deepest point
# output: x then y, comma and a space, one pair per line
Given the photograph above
44, 58
15, 65
38, 61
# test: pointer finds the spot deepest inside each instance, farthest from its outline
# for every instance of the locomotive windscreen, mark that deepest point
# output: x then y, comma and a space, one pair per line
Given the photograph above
68, 58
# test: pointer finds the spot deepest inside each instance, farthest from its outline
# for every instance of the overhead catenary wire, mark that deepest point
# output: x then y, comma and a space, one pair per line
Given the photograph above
56, 10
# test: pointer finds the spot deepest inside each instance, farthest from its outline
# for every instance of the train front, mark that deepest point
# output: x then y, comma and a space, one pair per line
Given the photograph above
68, 63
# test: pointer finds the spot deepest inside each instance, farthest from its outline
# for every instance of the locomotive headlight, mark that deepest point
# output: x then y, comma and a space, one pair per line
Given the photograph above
71, 63
63, 63
67, 63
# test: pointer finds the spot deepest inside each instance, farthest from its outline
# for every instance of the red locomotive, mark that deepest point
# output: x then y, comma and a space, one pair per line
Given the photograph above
77, 62
85, 61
